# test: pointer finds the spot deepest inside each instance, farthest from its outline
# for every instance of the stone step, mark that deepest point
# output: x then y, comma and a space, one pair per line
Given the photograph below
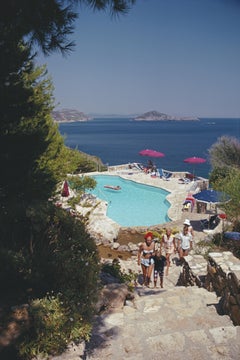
166, 324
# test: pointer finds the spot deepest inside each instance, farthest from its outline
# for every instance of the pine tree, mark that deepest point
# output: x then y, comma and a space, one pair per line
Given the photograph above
30, 143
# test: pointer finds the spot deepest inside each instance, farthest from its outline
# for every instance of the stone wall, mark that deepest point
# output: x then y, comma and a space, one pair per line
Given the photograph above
193, 271
221, 274
223, 277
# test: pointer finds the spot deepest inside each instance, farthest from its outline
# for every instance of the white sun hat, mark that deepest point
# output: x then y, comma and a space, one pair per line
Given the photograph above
187, 222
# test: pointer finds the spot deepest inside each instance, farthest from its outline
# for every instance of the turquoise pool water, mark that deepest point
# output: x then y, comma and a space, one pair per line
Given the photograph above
135, 204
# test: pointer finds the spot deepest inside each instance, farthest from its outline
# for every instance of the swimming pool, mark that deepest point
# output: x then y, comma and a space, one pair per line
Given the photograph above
134, 204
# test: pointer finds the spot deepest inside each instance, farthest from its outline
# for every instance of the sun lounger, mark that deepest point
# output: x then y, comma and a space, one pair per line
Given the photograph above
184, 181
163, 174
138, 166
210, 224
188, 203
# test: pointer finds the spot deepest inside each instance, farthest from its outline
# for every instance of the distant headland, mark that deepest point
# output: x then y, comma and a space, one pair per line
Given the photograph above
72, 115
69, 115
158, 116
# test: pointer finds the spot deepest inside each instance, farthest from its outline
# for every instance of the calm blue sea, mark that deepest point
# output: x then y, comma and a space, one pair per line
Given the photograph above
119, 140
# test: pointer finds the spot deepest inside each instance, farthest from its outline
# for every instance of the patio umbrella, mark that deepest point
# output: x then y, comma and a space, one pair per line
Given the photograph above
194, 160
65, 190
211, 196
151, 153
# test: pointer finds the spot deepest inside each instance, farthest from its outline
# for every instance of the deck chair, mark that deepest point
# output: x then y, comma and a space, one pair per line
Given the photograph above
165, 175
210, 224
138, 166
184, 181
188, 204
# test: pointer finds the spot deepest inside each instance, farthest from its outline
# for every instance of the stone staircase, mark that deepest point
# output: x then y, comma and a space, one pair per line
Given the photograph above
167, 323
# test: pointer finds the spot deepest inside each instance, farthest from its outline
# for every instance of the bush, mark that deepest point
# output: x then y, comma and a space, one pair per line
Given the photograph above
65, 262
54, 325
114, 269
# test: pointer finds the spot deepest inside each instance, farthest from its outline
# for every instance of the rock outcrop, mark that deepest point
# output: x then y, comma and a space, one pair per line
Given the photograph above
69, 115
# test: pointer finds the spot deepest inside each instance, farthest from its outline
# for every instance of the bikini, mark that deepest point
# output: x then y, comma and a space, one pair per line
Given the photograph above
146, 252
149, 261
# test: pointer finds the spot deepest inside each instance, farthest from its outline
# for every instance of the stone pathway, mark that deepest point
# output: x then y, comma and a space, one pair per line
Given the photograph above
167, 323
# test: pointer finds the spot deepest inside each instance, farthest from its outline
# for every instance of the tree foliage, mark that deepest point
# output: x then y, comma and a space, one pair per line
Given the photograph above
30, 143
41, 247
62, 273
225, 176
49, 23
225, 153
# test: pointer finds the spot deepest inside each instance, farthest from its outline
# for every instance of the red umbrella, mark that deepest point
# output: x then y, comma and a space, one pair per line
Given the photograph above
151, 153
195, 160
65, 190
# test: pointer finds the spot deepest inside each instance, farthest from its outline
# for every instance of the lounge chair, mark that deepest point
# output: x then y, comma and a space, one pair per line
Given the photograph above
138, 166
184, 181
163, 174
188, 204
210, 224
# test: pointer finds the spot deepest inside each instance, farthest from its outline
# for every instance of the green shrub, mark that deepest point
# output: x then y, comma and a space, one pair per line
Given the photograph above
64, 261
54, 325
114, 269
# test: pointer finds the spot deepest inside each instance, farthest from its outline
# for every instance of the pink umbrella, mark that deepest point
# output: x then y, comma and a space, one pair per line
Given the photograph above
195, 160
65, 190
151, 153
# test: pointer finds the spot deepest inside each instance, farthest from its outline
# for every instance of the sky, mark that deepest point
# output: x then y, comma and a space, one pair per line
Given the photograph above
179, 57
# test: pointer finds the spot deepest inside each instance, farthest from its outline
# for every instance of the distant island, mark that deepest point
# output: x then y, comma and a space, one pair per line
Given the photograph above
72, 115
69, 115
158, 116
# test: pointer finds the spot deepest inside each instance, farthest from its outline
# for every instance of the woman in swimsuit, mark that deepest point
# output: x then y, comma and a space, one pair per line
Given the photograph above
145, 254
190, 228
185, 242
169, 246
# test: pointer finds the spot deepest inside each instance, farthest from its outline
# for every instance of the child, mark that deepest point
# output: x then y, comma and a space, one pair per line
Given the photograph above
159, 263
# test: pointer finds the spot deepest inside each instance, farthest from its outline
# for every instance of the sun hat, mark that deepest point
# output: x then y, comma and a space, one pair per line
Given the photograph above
148, 234
187, 222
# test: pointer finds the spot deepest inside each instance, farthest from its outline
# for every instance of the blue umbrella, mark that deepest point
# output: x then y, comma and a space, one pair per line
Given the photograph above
211, 196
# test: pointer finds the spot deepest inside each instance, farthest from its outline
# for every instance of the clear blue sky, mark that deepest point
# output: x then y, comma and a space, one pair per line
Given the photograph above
180, 57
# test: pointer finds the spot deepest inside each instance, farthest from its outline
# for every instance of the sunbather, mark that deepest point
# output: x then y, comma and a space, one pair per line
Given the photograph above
112, 187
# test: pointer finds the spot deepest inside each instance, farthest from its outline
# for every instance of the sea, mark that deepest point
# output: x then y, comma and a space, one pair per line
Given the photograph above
119, 140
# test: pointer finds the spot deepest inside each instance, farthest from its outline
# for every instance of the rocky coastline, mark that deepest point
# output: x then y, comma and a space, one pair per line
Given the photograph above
69, 115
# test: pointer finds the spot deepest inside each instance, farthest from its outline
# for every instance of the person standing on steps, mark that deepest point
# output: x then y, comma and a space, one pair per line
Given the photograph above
190, 228
145, 257
185, 241
169, 246
159, 263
